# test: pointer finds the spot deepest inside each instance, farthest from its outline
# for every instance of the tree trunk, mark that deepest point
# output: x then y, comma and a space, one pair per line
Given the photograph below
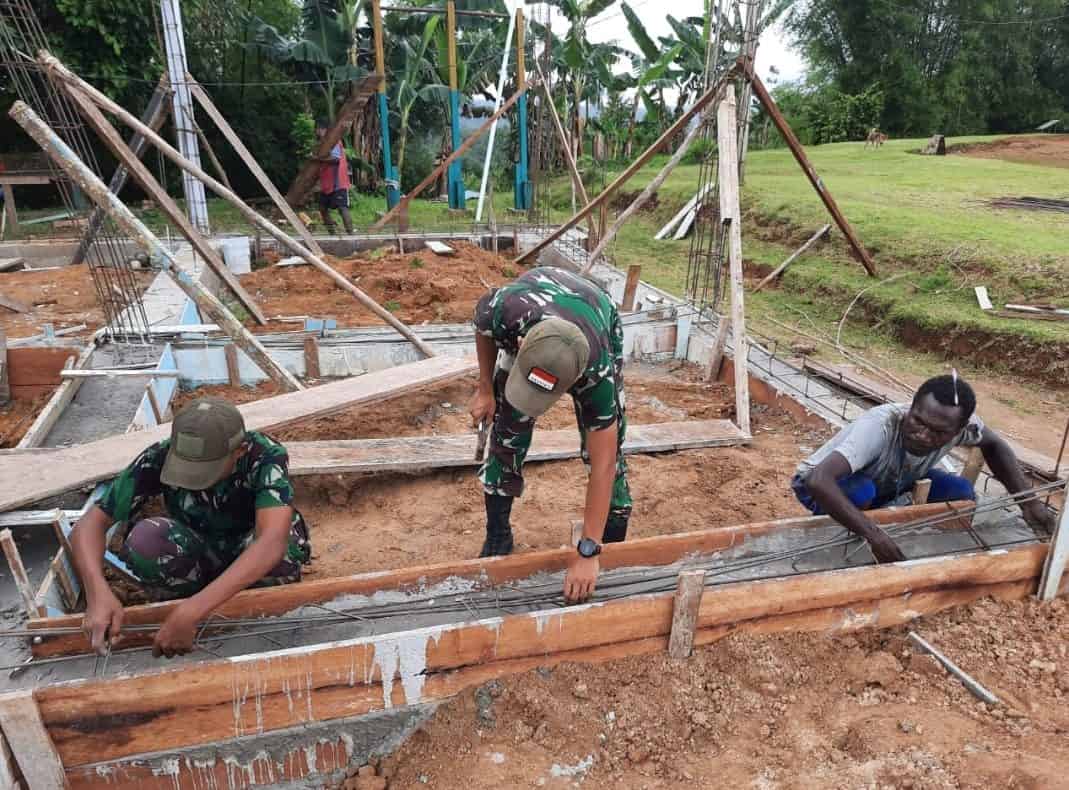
629, 145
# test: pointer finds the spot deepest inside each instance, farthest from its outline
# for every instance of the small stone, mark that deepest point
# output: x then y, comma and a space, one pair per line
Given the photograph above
580, 691
1043, 666
423, 779
906, 726
765, 731
699, 719
638, 754
447, 405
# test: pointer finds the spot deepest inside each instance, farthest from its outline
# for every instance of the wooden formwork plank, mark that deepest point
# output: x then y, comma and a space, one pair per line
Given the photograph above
20, 720
59, 401
33, 475
18, 573
99, 720
652, 552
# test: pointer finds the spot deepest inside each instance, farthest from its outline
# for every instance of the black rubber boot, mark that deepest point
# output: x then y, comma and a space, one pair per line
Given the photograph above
498, 541
616, 528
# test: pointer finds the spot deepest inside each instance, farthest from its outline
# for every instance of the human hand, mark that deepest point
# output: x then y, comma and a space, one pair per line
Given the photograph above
884, 549
482, 406
581, 578
1038, 516
176, 634
102, 621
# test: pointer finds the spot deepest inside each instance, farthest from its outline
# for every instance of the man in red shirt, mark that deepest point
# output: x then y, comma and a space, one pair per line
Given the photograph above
333, 184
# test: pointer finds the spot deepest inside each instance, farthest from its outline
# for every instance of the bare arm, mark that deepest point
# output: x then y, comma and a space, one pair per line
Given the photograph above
103, 612
1002, 462
582, 575
482, 404
823, 484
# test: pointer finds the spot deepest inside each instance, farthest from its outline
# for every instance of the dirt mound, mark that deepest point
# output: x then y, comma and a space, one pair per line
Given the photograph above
1049, 150
417, 286
798, 710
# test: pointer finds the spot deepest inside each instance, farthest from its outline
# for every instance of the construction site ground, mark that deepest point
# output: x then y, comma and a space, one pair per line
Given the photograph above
774, 713
1048, 150
417, 286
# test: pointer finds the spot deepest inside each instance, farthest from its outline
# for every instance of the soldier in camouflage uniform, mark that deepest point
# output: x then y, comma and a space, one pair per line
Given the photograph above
230, 523
556, 332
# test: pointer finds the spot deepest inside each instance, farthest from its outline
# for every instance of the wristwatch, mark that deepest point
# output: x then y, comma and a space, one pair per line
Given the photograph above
588, 548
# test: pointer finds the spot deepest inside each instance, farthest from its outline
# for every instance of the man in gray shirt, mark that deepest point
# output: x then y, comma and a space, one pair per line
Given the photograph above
879, 456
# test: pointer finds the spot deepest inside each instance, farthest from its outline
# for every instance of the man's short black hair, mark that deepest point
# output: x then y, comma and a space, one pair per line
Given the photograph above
949, 391
322, 122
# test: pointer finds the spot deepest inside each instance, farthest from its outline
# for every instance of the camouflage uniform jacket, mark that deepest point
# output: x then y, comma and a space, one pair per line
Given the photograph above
507, 314
225, 514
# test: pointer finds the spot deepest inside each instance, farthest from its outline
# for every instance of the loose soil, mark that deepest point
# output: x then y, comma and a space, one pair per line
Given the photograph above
1048, 150
417, 287
17, 417
61, 297
790, 711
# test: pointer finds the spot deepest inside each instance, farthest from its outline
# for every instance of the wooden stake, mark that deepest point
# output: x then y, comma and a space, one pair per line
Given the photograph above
792, 258
731, 215
974, 463
716, 355
230, 351
311, 357
685, 613
18, 573
5, 387
159, 196
1057, 555
473, 138
646, 193
258, 173
36, 755
153, 403
634, 274
57, 69
606, 194
94, 188
921, 490
807, 167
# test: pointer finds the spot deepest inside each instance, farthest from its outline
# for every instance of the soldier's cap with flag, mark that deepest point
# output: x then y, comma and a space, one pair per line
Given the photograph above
203, 435
553, 356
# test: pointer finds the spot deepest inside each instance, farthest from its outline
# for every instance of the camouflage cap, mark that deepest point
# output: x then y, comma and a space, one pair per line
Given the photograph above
203, 435
553, 356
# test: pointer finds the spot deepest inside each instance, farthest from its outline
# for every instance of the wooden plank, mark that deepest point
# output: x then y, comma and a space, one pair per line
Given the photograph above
230, 351
1057, 556
402, 206
12, 264
20, 720
307, 176
458, 450
246, 156
155, 114
881, 613
683, 212
10, 213
162, 199
731, 215
982, 298
29, 477
652, 552
99, 720
5, 384
438, 248
634, 275
779, 270
311, 357
59, 401
14, 305
685, 613
849, 378
681, 123
9, 772
106, 373
37, 366
807, 167
18, 573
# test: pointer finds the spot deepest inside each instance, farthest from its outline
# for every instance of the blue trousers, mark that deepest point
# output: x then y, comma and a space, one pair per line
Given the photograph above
861, 490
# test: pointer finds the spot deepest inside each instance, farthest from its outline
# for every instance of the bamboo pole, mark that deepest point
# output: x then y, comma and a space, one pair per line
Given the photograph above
98, 192
56, 69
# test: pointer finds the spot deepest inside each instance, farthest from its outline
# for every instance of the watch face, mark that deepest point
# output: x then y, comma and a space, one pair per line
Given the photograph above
587, 548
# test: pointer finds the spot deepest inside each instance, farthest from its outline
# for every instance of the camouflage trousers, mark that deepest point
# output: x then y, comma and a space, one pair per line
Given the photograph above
510, 439
174, 560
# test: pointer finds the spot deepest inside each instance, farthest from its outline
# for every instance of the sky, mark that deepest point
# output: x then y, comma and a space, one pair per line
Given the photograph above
774, 49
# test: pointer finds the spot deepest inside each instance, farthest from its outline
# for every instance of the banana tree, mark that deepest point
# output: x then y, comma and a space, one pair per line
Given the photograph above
416, 82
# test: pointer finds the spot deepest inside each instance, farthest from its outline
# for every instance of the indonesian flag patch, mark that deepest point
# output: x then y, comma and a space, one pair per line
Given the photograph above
542, 379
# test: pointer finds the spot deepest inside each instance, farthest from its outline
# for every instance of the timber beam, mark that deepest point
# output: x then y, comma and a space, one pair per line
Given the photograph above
93, 722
